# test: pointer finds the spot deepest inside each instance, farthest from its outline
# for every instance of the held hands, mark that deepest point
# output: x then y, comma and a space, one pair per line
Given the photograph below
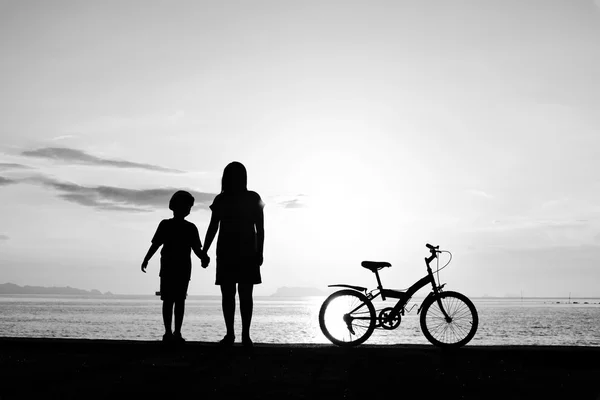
144, 266
259, 259
205, 259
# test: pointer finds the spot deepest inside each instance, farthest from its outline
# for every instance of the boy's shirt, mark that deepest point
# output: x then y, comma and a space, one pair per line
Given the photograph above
177, 238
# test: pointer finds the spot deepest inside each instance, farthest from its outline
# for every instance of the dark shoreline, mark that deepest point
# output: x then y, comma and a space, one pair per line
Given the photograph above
79, 368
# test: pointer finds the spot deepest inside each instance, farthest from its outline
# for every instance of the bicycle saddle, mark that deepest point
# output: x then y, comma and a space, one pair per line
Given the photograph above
375, 265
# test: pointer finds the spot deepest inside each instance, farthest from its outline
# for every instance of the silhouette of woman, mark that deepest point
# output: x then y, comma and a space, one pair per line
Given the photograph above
237, 213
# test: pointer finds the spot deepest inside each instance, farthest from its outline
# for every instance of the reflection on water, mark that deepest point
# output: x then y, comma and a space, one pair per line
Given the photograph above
277, 320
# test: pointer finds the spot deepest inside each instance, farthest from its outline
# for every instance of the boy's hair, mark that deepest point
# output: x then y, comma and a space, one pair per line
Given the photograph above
181, 198
235, 178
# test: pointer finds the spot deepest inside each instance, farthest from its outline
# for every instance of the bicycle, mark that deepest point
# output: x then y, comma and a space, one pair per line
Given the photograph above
448, 319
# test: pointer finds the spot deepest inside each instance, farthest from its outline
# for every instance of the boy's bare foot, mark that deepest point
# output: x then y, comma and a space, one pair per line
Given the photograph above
167, 337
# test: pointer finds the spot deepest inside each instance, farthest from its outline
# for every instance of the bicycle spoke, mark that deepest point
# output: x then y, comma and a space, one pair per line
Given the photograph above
347, 319
461, 320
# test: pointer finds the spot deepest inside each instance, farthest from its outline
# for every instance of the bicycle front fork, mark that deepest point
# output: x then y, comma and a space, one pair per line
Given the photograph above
446, 316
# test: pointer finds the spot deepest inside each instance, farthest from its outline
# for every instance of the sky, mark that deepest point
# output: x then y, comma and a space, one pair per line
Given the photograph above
369, 128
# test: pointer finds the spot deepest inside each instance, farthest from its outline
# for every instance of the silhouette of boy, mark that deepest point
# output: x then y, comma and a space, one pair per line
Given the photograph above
178, 237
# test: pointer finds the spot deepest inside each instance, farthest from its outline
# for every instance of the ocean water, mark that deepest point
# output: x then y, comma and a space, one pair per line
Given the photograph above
287, 320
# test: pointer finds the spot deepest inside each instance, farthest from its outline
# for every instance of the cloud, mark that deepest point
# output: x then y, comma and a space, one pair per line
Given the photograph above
6, 166
6, 181
480, 193
295, 203
80, 157
291, 201
113, 198
63, 137
3, 237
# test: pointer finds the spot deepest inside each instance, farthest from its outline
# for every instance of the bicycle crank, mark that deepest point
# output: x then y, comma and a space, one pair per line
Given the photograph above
388, 319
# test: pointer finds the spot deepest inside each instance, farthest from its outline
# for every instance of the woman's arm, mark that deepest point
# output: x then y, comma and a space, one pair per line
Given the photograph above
213, 226
260, 236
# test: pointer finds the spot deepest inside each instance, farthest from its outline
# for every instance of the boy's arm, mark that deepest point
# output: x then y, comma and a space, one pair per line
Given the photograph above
151, 251
196, 243
198, 251
197, 248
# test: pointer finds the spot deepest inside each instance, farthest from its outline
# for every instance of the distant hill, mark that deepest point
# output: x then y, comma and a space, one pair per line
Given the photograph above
11, 288
297, 292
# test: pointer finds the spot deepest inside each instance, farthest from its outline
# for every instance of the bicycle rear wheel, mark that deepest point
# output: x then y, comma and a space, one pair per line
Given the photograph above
347, 318
461, 326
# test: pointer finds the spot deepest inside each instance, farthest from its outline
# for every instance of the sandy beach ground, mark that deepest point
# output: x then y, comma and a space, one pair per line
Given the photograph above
94, 369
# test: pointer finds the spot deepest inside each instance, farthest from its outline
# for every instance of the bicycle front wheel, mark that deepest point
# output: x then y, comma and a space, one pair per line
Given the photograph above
456, 330
347, 318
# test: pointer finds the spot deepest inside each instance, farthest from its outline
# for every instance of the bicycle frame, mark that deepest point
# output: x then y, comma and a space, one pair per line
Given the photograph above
404, 297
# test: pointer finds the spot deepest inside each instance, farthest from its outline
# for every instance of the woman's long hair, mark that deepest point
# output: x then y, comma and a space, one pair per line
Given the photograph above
235, 178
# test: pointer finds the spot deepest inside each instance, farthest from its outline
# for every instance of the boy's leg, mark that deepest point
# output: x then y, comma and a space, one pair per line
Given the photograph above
246, 307
228, 305
181, 288
167, 313
179, 312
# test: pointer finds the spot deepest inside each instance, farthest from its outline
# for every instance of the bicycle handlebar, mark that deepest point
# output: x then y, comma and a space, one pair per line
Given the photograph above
434, 251
432, 248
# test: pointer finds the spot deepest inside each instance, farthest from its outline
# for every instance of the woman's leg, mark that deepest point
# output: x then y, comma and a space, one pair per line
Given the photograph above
246, 306
228, 304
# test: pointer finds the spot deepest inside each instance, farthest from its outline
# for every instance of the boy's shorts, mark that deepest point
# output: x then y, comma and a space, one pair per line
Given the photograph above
173, 289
